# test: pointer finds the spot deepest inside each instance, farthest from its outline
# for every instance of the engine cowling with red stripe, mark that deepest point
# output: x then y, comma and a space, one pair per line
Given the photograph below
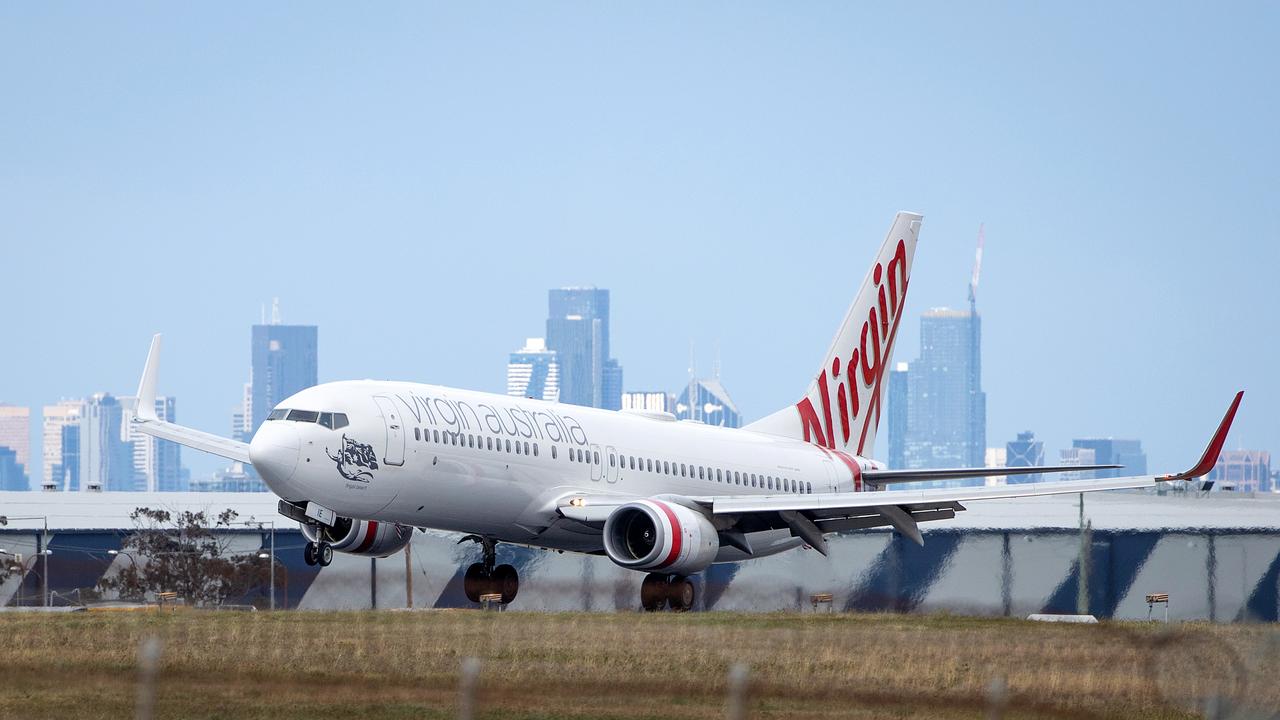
660, 536
367, 538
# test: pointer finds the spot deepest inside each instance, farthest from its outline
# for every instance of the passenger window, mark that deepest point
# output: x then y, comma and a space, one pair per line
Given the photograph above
535, 449
435, 436
649, 463
508, 446
610, 459
595, 457
666, 468
553, 452
682, 470
810, 486
415, 430
517, 447
632, 461
718, 478
701, 473
488, 443
526, 448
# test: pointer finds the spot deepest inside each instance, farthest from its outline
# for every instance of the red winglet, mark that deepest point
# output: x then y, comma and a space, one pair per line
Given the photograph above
1210, 457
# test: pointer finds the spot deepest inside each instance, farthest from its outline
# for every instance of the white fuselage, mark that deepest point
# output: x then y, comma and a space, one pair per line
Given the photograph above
436, 457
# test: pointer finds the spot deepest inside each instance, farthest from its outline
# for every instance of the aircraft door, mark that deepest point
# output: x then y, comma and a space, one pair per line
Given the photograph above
394, 454
613, 466
595, 462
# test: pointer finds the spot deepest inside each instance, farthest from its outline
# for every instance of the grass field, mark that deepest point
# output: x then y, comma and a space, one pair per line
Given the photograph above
625, 665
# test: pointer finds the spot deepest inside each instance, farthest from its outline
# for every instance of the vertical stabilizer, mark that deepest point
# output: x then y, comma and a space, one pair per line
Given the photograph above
841, 409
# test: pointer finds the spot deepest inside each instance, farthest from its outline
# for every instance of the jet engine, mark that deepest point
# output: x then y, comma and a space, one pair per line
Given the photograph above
661, 536
367, 538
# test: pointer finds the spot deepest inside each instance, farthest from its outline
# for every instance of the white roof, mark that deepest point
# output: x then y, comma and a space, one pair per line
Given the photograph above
110, 510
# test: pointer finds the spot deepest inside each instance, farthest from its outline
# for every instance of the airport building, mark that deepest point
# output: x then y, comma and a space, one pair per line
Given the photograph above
1217, 556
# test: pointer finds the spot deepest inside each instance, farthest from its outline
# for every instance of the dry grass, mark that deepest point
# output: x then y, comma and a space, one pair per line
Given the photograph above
574, 665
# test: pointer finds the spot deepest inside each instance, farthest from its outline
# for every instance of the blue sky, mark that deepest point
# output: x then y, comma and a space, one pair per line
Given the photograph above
412, 178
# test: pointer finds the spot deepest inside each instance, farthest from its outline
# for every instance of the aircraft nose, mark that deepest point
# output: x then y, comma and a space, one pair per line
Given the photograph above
274, 452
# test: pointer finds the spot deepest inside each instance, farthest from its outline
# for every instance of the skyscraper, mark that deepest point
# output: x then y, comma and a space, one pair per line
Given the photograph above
1026, 451
532, 371
1243, 471
1110, 451
946, 407
106, 457
654, 400
13, 475
156, 462
15, 434
897, 420
284, 361
711, 404
61, 445
578, 332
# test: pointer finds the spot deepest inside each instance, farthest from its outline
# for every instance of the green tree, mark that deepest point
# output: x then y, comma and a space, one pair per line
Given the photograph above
186, 553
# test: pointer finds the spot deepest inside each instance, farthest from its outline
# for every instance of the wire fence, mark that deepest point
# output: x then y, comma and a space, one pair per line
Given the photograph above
1191, 672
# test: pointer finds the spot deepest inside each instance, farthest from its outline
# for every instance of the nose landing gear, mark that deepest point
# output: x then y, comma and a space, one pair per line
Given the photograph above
318, 553
658, 590
484, 578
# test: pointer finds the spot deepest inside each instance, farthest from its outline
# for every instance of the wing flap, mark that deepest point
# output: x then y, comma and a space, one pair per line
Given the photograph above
883, 477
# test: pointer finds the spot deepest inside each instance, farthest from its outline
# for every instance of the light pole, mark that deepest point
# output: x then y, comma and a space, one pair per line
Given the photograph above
41, 547
22, 567
251, 522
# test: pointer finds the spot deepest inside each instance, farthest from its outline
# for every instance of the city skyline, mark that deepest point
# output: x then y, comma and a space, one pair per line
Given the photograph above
721, 190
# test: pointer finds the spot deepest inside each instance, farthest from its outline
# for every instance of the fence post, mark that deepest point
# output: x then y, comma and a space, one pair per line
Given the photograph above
997, 698
148, 667
467, 688
736, 703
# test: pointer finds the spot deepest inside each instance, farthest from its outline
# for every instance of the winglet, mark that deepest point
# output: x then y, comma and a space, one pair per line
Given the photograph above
1210, 457
146, 409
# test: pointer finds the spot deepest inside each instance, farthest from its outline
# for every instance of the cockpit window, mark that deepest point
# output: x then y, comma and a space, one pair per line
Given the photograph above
331, 420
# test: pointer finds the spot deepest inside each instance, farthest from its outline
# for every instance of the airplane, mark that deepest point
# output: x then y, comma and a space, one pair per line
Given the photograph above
360, 464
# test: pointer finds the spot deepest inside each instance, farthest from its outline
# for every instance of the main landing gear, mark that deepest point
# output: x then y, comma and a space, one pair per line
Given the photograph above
660, 589
483, 578
318, 553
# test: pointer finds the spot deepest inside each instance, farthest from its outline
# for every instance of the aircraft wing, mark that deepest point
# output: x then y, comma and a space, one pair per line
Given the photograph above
884, 477
144, 417
811, 516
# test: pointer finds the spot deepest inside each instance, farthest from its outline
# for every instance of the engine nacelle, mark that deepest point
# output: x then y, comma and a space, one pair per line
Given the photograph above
367, 538
661, 536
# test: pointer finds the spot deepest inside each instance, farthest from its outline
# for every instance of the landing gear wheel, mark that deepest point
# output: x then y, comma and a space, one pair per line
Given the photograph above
506, 582
309, 554
324, 554
680, 593
653, 592
475, 582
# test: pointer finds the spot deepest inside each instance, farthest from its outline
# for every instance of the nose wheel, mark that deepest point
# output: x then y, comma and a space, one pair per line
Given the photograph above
318, 553
659, 590
488, 579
